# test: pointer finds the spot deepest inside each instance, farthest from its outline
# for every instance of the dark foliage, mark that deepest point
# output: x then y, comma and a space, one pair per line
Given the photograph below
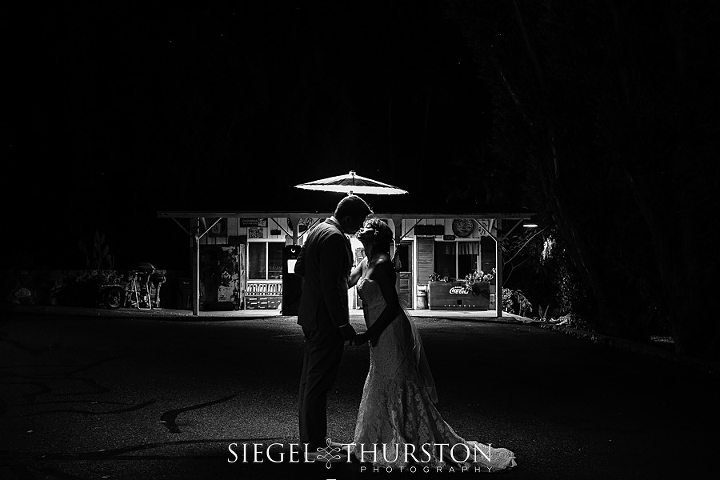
608, 111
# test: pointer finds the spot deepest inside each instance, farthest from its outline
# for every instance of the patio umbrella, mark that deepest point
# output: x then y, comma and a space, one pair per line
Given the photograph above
352, 183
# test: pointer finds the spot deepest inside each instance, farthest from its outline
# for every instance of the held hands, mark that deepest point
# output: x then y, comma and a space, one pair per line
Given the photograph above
348, 333
362, 338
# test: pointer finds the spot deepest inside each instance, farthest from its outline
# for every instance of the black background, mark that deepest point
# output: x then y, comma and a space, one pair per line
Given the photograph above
119, 109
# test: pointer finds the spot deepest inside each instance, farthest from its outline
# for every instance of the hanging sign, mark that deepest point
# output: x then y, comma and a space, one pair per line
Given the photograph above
256, 232
253, 222
303, 224
463, 227
219, 229
486, 224
430, 230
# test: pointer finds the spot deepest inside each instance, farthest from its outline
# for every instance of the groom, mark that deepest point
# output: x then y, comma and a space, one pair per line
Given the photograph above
325, 262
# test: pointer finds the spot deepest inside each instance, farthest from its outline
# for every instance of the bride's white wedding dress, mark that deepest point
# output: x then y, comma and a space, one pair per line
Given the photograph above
397, 411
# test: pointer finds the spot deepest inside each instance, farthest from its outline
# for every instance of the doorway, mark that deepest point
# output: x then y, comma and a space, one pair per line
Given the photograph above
404, 283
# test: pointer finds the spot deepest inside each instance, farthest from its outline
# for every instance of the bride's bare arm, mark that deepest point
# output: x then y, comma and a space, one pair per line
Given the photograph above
384, 274
356, 273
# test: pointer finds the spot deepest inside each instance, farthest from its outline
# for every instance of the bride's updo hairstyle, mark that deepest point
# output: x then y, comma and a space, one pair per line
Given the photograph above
378, 232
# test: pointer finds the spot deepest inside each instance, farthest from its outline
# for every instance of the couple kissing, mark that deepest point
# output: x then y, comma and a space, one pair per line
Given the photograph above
397, 411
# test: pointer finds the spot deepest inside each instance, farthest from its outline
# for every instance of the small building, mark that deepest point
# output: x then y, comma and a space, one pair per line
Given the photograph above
240, 256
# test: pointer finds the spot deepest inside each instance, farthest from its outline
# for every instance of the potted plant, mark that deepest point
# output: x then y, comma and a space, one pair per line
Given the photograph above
478, 282
436, 286
435, 277
472, 293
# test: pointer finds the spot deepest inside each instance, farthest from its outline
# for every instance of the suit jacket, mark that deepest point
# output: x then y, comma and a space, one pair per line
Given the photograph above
324, 262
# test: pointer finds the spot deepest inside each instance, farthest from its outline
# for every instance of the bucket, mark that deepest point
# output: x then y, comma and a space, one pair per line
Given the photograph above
422, 297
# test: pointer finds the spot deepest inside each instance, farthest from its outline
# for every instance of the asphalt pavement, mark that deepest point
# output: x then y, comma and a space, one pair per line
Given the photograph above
93, 395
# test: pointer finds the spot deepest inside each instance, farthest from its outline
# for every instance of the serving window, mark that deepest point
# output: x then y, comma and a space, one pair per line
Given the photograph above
455, 260
265, 260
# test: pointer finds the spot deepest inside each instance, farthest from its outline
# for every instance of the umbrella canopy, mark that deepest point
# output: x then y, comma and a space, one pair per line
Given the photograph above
352, 183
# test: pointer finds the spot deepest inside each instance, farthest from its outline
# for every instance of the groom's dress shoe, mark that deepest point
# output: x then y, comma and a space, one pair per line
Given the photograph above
344, 446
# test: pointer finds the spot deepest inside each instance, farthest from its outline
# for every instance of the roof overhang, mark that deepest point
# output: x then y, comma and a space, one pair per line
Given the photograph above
307, 214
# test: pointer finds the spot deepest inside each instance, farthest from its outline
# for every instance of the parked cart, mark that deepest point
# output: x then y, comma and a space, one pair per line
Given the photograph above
142, 290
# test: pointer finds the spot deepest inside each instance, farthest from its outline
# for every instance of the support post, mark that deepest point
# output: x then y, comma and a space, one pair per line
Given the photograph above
397, 265
196, 267
397, 224
295, 221
499, 237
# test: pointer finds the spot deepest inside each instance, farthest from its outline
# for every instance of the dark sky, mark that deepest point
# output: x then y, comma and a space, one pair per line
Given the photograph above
118, 109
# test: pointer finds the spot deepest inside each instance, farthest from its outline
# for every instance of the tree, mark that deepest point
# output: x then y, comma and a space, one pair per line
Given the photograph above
607, 108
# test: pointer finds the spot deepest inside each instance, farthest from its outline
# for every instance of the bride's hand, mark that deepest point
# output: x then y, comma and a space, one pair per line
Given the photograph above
360, 339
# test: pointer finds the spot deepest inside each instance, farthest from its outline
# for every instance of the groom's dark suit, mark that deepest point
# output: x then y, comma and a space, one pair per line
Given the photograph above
324, 263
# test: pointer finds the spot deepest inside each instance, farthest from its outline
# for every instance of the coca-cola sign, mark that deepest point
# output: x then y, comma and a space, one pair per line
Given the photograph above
458, 290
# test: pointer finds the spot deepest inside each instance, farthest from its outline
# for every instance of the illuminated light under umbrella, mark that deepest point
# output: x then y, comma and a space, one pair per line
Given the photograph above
352, 183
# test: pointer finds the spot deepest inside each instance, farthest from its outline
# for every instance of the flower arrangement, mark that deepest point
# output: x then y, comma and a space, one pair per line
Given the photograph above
478, 276
435, 277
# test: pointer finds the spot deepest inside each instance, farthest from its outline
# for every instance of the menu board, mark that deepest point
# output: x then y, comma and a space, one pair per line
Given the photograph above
254, 232
253, 222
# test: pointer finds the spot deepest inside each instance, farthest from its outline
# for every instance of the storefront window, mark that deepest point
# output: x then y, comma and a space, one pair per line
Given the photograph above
445, 259
257, 260
265, 260
456, 260
468, 253
488, 256
275, 253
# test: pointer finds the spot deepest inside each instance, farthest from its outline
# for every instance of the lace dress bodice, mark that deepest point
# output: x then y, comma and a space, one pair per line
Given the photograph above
391, 355
397, 409
373, 300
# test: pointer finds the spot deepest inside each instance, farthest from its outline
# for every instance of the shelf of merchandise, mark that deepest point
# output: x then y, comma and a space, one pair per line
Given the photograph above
263, 295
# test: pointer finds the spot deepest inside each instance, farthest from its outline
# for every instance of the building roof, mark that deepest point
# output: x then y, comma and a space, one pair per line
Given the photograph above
319, 204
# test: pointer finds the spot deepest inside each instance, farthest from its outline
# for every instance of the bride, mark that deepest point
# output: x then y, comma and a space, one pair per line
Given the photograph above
398, 424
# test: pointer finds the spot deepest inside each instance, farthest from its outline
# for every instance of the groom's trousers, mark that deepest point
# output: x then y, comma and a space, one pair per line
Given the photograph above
321, 361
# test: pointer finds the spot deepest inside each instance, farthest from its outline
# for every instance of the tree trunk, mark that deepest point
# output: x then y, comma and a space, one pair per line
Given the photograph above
681, 300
